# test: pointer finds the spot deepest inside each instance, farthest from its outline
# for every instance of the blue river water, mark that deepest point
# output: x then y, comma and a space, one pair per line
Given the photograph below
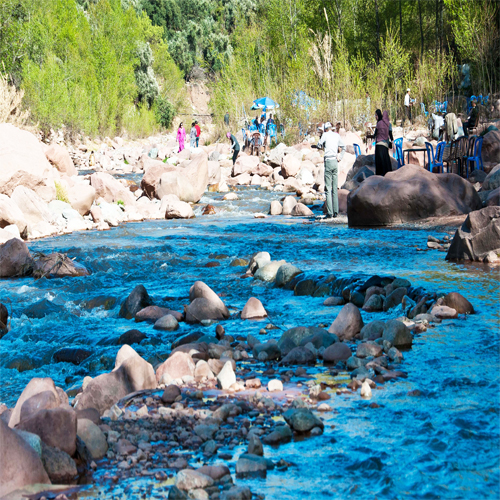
441, 444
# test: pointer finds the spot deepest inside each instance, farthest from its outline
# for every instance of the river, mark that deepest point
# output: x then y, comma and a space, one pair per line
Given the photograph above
442, 443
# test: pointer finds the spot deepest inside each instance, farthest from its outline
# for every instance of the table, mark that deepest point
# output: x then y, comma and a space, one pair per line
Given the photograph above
416, 150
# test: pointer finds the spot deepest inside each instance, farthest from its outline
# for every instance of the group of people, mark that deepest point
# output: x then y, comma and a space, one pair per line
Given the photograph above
194, 135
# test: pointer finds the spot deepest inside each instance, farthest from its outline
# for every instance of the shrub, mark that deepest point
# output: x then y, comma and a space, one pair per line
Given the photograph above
61, 193
165, 112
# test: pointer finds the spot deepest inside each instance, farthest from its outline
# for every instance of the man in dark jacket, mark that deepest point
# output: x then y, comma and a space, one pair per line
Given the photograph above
471, 120
235, 146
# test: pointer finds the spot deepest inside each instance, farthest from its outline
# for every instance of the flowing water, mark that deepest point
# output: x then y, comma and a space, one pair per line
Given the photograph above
443, 443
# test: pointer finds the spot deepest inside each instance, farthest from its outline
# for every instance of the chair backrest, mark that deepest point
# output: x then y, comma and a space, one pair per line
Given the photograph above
430, 154
440, 151
478, 146
257, 138
470, 145
357, 150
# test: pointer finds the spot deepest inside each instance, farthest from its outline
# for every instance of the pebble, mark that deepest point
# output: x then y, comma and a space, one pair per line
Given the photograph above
366, 391
275, 385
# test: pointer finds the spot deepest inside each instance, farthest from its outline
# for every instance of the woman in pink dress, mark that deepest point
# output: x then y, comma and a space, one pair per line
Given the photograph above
181, 137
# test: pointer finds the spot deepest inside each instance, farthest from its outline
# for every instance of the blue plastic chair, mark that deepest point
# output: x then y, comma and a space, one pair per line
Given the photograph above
398, 152
357, 150
435, 160
424, 112
476, 158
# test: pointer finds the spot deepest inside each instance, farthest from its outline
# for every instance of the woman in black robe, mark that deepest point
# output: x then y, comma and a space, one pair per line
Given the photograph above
383, 140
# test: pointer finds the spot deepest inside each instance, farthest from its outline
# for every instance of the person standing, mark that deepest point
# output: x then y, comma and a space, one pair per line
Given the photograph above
235, 146
192, 136
331, 142
408, 104
383, 139
181, 137
226, 119
198, 133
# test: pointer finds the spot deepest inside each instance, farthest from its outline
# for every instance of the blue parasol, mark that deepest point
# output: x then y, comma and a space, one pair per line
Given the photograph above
265, 103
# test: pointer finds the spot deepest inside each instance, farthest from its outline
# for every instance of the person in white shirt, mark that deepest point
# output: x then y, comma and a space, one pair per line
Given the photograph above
408, 104
331, 142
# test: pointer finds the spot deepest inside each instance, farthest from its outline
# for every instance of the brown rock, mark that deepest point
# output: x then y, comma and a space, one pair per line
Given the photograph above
178, 365
42, 401
60, 467
20, 465
348, 323
459, 303
15, 258
152, 314
59, 157
253, 309
337, 352
57, 265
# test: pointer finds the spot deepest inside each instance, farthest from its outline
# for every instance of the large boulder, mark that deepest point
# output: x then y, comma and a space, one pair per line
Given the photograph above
152, 174
492, 180
408, 194
173, 208
110, 189
348, 323
178, 365
137, 300
20, 464
57, 265
59, 157
290, 167
397, 334
205, 304
81, 197
23, 162
131, 375
491, 147
188, 183
479, 237
10, 214
15, 258
253, 309
245, 165
33, 207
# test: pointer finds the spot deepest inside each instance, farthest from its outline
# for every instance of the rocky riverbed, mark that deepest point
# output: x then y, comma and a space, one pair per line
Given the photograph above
336, 407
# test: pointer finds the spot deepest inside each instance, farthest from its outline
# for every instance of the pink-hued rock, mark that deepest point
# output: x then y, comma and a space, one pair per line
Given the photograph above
253, 309
301, 210
15, 258
348, 323
245, 164
59, 157
110, 189
151, 177
290, 166
178, 365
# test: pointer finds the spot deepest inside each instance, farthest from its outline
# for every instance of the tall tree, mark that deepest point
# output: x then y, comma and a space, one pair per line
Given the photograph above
378, 31
421, 29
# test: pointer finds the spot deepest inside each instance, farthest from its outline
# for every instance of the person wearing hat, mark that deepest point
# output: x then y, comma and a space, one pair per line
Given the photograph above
408, 104
331, 142
235, 146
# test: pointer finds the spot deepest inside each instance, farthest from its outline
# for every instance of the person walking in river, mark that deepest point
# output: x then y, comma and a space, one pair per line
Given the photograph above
235, 146
181, 137
331, 142
192, 136
383, 141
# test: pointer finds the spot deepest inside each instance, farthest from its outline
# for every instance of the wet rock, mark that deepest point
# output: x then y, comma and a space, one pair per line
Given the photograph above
294, 336
137, 300
336, 352
286, 273
226, 376
35, 386
348, 323
57, 265
170, 394
353, 363
280, 434
4, 320
131, 337
374, 304
20, 464
253, 309
395, 355
302, 419
255, 446
270, 349
15, 259
410, 193
56, 427
366, 391
60, 467
320, 339
444, 312
152, 314
368, 349
237, 493
219, 332
93, 437
189, 479
206, 432
175, 208
205, 304
178, 365
43, 308
276, 208
166, 323
251, 465
189, 338
176, 494
395, 298
397, 334
269, 271
239, 263
479, 237
304, 287
334, 301
216, 472
299, 356
458, 302
104, 301
301, 210
372, 330
209, 210
71, 355
258, 261
44, 400
131, 375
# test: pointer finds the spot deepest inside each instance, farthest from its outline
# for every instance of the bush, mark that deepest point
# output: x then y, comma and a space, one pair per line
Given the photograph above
165, 112
61, 193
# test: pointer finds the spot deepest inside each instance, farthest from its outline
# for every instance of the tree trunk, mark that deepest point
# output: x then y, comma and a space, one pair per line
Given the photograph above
437, 26
421, 29
378, 31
